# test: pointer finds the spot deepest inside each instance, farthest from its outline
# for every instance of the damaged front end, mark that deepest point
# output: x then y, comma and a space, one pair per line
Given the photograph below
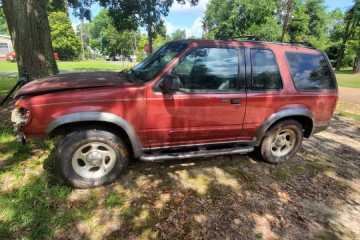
20, 117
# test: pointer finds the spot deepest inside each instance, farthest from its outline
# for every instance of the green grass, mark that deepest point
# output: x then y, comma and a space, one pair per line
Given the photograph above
6, 83
90, 65
349, 115
7, 66
347, 78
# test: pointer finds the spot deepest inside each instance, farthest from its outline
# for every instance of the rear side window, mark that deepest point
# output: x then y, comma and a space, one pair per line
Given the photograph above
310, 72
265, 71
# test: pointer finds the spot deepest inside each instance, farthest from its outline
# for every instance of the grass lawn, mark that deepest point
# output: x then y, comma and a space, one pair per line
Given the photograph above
90, 65
346, 78
6, 66
6, 83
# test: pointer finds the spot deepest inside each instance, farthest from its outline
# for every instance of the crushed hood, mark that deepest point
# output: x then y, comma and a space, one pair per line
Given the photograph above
70, 81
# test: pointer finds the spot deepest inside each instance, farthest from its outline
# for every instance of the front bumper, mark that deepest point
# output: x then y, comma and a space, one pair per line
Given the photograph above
18, 120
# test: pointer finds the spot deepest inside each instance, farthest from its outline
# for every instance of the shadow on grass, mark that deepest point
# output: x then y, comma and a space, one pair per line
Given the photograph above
234, 197
34, 208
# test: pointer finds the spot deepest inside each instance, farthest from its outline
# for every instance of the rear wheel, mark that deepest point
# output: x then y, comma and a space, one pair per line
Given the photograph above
282, 141
90, 158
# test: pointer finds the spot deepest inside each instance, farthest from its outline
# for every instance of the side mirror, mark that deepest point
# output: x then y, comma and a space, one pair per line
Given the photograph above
170, 83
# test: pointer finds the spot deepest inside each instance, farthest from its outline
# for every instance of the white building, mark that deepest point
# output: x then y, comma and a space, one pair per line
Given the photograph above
5, 46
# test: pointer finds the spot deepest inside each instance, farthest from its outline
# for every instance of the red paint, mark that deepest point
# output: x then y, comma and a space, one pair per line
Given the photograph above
171, 119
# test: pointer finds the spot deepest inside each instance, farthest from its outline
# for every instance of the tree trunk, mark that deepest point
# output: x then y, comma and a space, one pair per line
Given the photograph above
287, 15
340, 57
357, 62
150, 38
30, 32
343, 44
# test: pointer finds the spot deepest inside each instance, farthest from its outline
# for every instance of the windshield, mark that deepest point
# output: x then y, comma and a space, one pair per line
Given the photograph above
151, 66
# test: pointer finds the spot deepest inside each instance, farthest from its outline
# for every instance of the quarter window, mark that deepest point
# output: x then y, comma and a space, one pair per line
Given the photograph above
209, 69
265, 71
310, 72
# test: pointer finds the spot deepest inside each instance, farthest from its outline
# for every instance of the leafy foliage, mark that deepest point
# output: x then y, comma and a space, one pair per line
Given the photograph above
352, 25
106, 38
240, 17
315, 10
132, 14
178, 35
64, 40
3, 25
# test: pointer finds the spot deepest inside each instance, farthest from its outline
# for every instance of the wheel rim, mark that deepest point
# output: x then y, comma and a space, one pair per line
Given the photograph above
94, 160
283, 143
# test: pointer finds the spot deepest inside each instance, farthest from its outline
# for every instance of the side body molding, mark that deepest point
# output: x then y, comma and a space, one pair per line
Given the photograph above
100, 117
291, 112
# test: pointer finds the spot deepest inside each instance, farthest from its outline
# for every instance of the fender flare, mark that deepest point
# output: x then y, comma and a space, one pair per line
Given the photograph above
291, 112
99, 117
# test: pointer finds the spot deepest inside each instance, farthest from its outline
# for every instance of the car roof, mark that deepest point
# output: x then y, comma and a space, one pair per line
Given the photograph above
244, 43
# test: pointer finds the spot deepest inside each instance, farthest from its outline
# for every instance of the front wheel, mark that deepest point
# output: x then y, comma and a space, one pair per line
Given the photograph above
90, 158
282, 141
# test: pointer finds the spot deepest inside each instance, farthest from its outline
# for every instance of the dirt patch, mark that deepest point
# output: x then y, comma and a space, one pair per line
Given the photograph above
348, 107
350, 95
314, 196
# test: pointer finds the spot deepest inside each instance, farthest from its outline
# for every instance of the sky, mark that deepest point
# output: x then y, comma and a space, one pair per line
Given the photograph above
189, 18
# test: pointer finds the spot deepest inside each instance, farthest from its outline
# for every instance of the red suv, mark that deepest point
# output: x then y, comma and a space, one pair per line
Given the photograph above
191, 98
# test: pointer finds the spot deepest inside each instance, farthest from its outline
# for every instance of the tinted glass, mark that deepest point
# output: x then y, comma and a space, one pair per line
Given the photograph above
265, 72
151, 66
209, 69
310, 72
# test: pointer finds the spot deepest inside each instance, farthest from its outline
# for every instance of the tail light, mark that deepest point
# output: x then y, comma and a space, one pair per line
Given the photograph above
334, 105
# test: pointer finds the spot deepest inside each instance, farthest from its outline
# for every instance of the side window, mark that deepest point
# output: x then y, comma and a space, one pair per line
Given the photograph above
310, 72
209, 69
265, 71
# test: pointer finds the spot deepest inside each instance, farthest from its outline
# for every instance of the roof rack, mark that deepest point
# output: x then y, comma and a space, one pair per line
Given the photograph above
307, 44
258, 39
245, 37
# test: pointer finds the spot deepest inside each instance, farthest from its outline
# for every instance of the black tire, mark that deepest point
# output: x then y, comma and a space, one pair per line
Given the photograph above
281, 141
90, 158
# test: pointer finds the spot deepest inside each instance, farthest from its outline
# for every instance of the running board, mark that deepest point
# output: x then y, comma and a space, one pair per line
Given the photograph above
194, 154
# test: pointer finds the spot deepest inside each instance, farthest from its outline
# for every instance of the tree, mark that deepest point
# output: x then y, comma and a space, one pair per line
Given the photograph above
29, 29
352, 23
353, 47
85, 29
229, 19
132, 14
316, 34
335, 31
83, 33
3, 25
98, 39
106, 38
299, 23
64, 40
178, 35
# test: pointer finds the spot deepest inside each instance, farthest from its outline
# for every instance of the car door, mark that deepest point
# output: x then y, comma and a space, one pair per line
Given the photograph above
210, 105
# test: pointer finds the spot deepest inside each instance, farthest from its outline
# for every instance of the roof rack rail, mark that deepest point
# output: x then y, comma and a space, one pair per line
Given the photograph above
245, 37
307, 44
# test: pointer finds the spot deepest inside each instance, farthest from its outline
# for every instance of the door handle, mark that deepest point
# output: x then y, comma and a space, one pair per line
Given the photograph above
235, 101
